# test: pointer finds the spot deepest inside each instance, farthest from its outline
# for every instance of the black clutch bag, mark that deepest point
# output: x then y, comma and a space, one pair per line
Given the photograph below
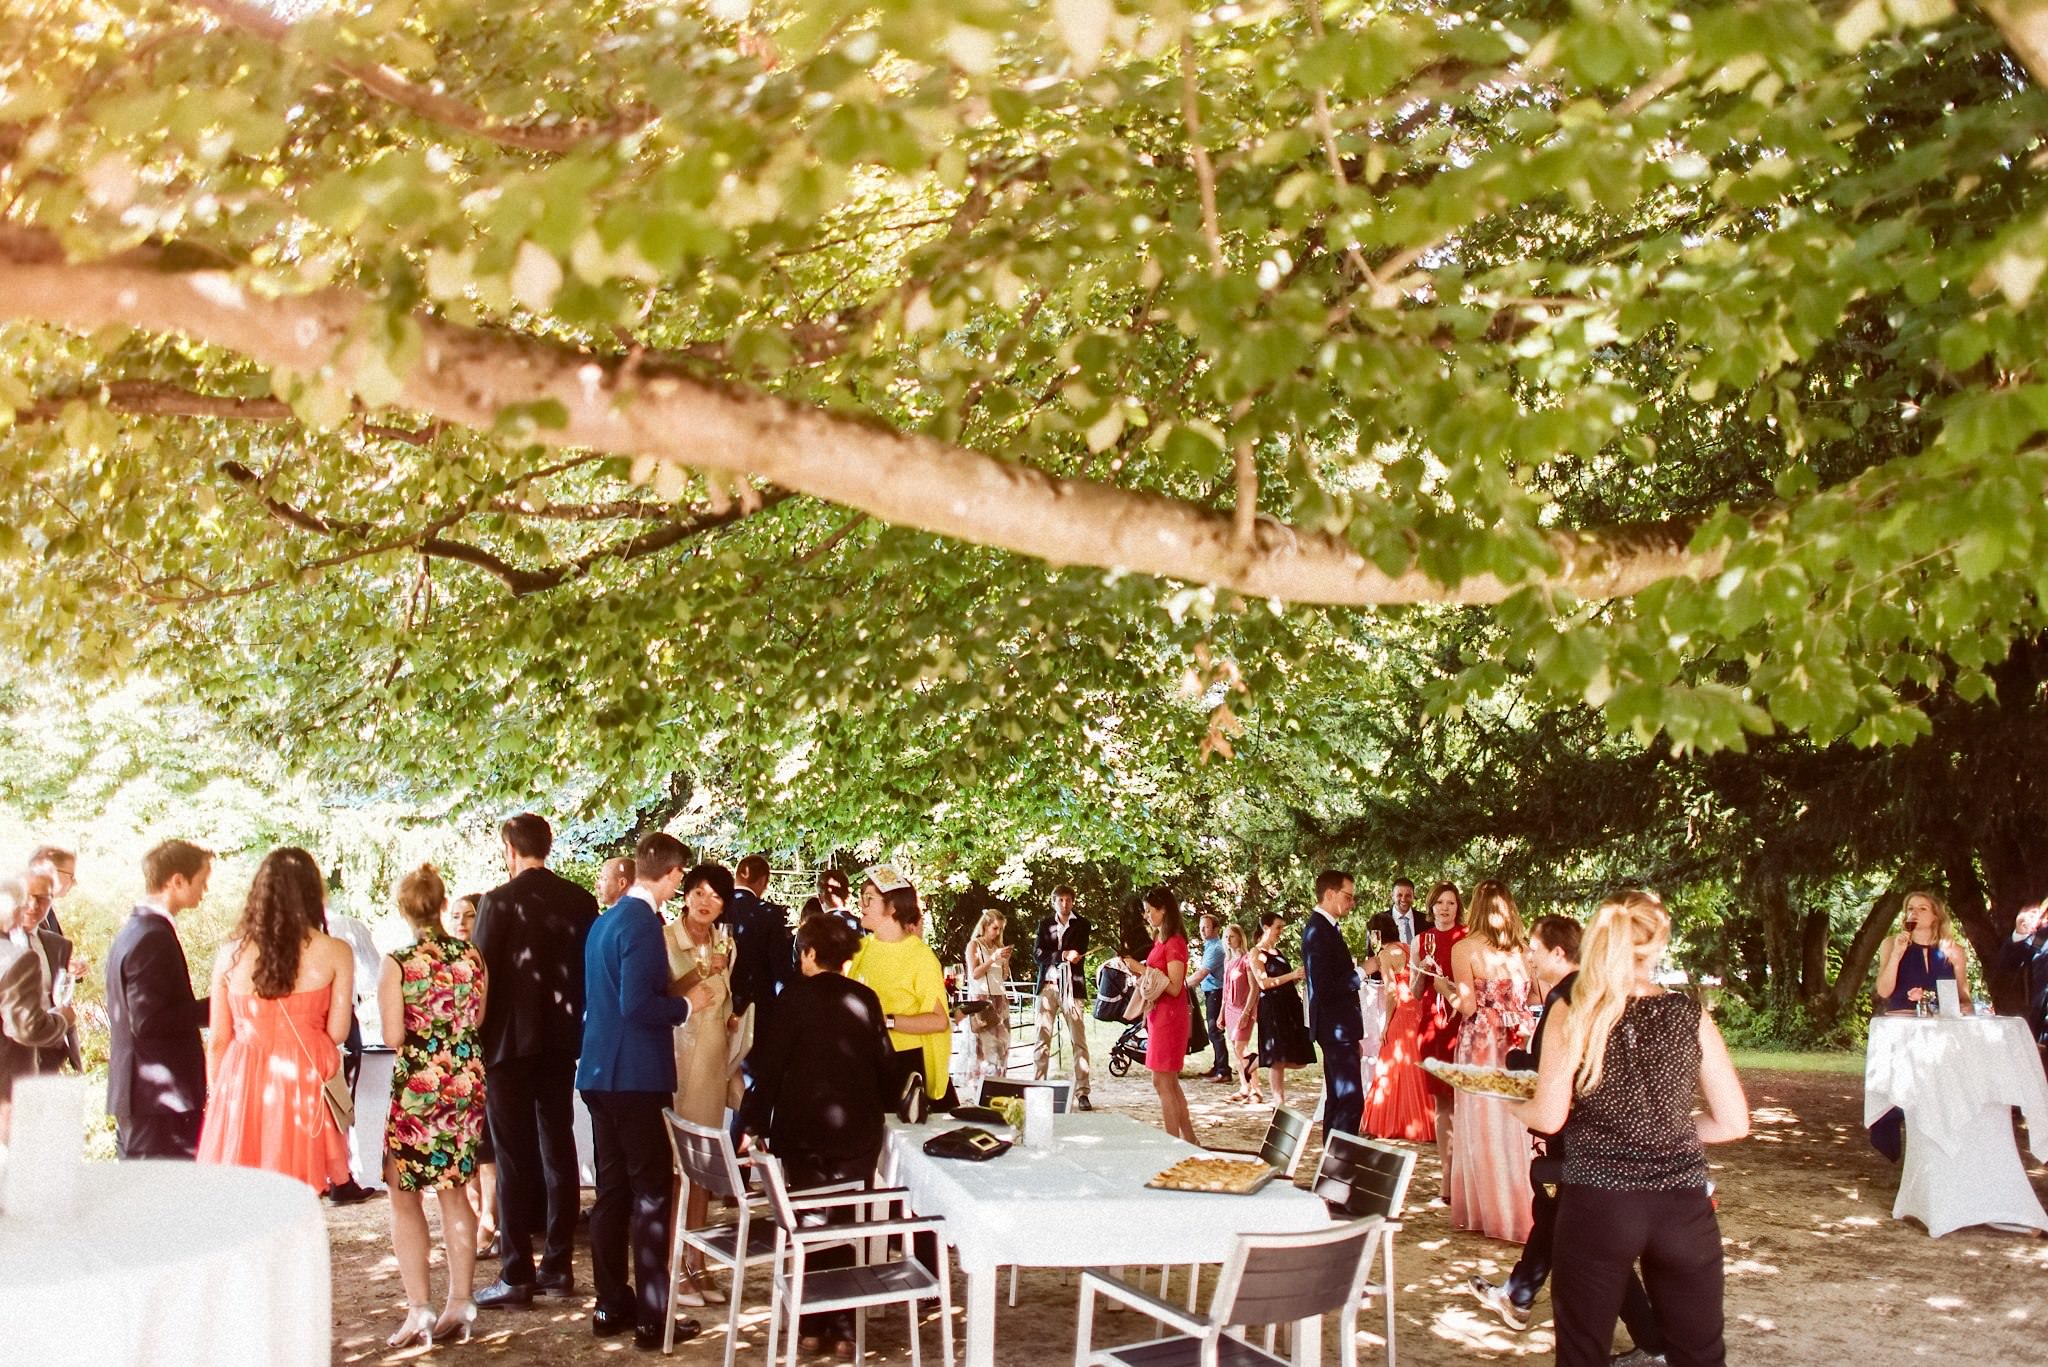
967, 1142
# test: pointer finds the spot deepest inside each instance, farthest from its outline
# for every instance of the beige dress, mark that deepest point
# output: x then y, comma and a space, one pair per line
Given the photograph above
992, 1027
703, 1078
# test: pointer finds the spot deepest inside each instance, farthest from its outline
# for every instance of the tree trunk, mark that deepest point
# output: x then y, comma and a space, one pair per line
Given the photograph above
1814, 933
1771, 895
1862, 956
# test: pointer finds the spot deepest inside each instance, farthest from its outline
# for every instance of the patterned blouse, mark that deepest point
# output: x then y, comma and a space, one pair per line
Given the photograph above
437, 1079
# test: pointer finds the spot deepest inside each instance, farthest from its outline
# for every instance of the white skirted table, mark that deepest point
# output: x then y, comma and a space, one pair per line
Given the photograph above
166, 1264
1957, 1079
1080, 1203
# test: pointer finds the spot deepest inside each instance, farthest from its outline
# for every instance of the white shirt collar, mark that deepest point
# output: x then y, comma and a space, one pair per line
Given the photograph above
156, 909
645, 894
1320, 911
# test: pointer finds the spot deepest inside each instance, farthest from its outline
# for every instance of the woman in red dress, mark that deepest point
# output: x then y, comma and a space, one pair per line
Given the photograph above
1399, 1105
1440, 995
1166, 1024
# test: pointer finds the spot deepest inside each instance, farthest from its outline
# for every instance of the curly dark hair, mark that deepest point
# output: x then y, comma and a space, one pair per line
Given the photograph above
286, 903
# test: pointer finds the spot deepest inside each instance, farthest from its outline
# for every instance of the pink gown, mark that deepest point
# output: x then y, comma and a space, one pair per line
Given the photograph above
266, 1110
1489, 1184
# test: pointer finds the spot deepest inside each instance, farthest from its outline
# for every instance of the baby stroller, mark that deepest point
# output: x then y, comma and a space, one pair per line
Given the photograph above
1114, 987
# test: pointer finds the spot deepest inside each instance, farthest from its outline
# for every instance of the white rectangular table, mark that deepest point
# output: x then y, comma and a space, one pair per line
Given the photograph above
1957, 1079
1081, 1203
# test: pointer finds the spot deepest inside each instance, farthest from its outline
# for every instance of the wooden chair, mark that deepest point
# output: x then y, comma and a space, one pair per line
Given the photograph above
1365, 1178
705, 1158
801, 1228
1270, 1279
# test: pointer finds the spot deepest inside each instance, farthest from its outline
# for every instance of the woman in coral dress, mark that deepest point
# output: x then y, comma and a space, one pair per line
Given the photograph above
1438, 994
430, 1001
1399, 1105
283, 990
1489, 1147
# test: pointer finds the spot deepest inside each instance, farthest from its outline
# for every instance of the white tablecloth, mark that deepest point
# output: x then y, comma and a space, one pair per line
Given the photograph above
1957, 1080
1081, 1203
373, 1112
170, 1265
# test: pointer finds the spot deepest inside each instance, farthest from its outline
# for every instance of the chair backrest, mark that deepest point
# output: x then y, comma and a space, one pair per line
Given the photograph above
705, 1156
1286, 1140
993, 1087
776, 1188
1281, 1278
1361, 1177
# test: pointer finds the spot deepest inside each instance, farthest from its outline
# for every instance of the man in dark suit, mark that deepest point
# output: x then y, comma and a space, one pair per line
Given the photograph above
765, 957
2025, 956
52, 873
627, 1075
31, 1030
156, 1066
531, 931
1061, 947
1553, 962
1334, 1018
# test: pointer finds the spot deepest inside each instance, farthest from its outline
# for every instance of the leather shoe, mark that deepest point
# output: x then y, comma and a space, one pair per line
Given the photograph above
647, 1338
604, 1324
348, 1193
1081, 1103
562, 1290
502, 1295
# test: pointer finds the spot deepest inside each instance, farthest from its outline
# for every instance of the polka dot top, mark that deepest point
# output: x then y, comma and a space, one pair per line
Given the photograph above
1634, 1132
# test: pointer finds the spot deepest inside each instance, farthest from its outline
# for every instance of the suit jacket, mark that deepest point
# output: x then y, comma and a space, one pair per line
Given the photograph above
31, 1033
531, 933
629, 1022
823, 1072
1331, 977
155, 1062
1053, 944
2028, 958
764, 950
56, 951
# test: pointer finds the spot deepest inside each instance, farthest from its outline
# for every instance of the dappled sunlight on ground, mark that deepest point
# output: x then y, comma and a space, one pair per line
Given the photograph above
1819, 1274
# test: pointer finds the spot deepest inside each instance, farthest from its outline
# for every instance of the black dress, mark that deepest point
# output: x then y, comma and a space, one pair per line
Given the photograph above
1283, 1031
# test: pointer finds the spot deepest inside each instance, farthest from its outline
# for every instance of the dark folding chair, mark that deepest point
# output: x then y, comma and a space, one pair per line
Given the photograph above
1282, 1146
1270, 1280
1365, 1178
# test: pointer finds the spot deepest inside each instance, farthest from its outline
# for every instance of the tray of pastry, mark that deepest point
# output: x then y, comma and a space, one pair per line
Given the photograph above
1220, 1176
1483, 1080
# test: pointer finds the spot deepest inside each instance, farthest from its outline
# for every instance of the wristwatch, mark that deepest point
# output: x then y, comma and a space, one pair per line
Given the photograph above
889, 1021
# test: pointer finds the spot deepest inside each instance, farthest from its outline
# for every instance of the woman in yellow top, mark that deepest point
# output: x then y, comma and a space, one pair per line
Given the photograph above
901, 970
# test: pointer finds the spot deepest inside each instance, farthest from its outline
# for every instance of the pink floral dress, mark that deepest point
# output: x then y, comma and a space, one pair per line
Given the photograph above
437, 1080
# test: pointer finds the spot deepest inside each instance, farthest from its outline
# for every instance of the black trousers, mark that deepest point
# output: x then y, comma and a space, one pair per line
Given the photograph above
629, 1221
1675, 1237
352, 1054
530, 1104
157, 1136
1533, 1269
1212, 1013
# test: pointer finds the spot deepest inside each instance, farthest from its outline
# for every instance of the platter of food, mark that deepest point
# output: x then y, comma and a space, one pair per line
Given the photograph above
1223, 1176
1481, 1080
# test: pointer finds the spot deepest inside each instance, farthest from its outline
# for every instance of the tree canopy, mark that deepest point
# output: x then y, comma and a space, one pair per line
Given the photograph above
907, 414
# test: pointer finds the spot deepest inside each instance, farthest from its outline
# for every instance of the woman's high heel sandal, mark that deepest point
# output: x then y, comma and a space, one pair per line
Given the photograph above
456, 1322
700, 1281
417, 1329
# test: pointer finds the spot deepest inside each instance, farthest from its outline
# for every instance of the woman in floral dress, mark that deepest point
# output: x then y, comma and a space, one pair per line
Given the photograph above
432, 1002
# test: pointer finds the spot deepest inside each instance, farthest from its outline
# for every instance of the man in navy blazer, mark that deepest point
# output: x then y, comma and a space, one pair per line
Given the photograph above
156, 1066
2025, 957
627, 1075
1334, 1018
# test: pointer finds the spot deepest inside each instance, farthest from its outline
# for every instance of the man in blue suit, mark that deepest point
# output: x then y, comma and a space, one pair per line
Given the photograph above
2025, 957
1334, 1018
627, 1075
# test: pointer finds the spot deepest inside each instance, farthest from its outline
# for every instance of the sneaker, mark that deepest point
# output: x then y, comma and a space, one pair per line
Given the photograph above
1496, 1299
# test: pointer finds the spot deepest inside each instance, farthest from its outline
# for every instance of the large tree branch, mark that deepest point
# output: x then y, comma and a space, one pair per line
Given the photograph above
391, 86
468, 377
2025, 26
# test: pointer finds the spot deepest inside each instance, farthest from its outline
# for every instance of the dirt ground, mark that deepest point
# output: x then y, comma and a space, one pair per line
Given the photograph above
1819, 1274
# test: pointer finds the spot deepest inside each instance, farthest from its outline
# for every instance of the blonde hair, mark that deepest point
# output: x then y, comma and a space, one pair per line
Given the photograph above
1625, 928
1947, 925
1494, 919
988, 918
1232, 930
422, 897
